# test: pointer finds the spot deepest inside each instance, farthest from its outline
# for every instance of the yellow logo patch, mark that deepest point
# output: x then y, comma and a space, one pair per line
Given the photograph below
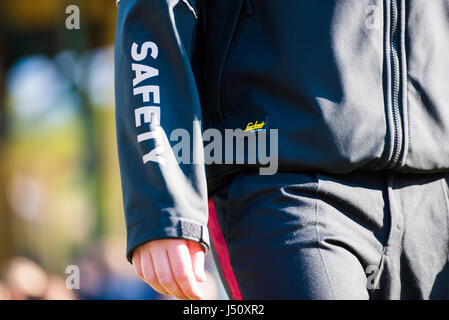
254, 126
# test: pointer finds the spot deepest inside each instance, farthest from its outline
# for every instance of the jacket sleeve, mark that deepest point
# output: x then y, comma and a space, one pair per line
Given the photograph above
158, 122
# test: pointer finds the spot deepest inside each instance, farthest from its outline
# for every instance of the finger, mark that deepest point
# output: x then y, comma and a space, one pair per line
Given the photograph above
149, 275
197, 256
136, 264
182, 271
164, 274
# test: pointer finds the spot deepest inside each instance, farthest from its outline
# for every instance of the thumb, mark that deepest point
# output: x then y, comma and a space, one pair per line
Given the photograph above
197, 256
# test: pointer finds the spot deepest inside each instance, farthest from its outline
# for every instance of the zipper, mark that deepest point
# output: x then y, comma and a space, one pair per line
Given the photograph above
395, 84
245, 9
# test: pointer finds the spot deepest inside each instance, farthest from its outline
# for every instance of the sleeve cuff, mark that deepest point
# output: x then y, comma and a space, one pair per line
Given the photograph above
166, 228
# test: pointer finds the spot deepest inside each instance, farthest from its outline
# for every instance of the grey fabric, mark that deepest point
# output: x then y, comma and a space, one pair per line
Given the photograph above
320, 236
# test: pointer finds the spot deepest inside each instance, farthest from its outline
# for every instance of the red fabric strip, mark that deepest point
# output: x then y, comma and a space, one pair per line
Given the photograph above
221, 249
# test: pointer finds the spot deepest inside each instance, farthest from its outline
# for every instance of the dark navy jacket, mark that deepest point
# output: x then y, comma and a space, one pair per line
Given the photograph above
348, 84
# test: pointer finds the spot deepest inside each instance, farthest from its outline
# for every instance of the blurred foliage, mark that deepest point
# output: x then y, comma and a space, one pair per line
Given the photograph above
59, 188
60, 196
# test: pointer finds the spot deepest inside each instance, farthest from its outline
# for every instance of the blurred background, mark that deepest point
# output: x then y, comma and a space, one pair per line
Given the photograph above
60, 197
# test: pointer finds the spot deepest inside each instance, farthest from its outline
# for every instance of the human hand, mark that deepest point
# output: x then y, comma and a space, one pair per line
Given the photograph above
171, 267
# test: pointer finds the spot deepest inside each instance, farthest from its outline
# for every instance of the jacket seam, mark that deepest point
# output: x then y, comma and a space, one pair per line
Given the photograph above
405, 83
403, 70
166, 217
219, 99
191, 8
389, 137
